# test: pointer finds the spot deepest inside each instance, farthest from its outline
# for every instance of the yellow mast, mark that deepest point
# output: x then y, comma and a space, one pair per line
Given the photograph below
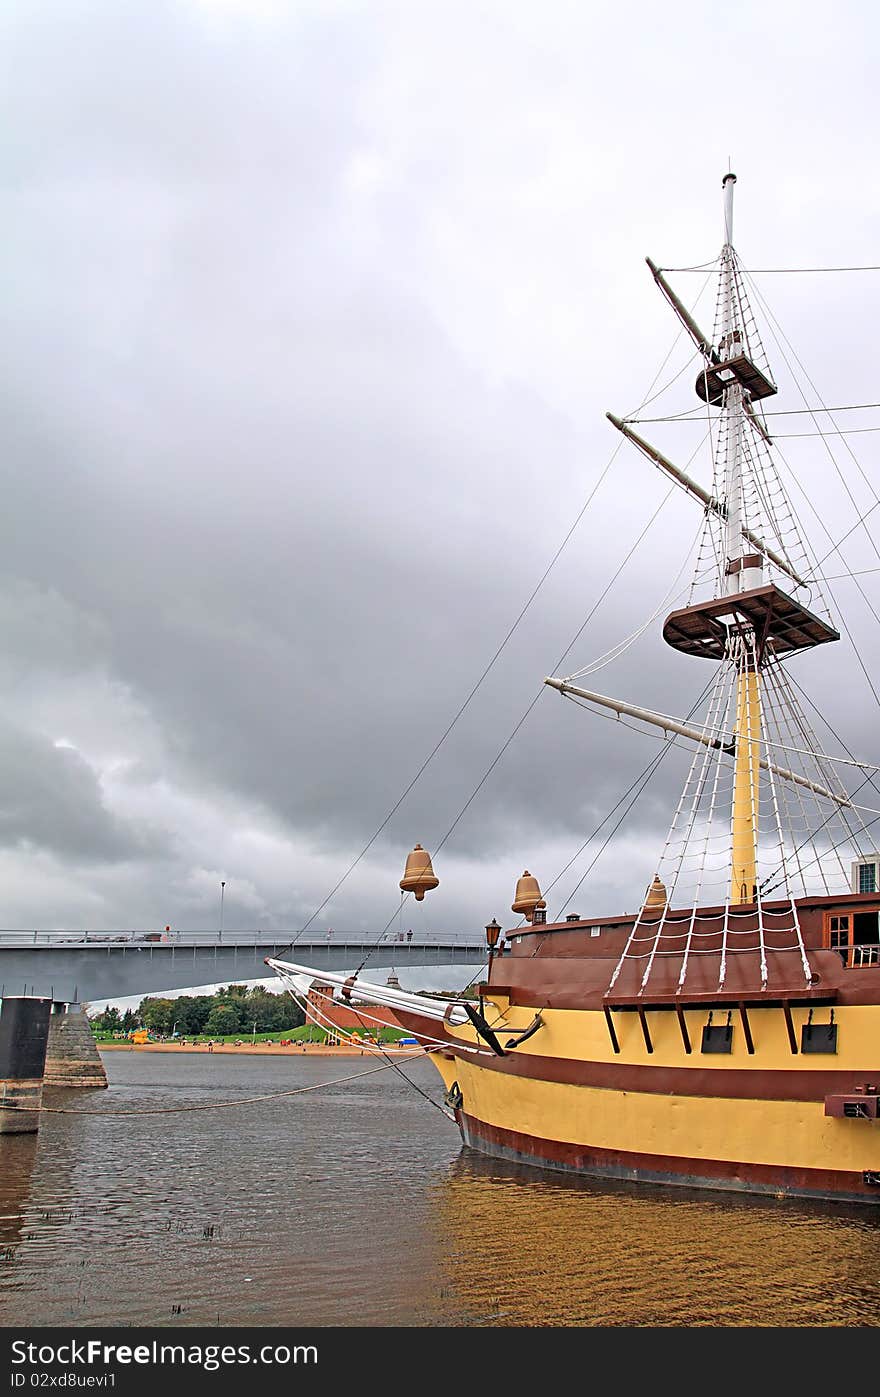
744, 851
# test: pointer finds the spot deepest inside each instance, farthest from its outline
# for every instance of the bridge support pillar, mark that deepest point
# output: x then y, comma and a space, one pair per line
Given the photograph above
24, 1033
72, 1057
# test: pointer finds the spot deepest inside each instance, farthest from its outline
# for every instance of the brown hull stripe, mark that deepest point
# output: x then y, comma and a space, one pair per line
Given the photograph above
838, 1184
747, 1083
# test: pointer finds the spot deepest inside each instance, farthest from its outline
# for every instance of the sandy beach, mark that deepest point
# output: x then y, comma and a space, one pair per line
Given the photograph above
256, 1049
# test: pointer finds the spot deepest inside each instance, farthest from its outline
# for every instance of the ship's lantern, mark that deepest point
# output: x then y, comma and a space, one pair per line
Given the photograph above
527, 896
493, 931
418, 876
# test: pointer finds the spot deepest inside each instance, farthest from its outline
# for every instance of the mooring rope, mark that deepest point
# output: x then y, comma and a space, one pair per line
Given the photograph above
206, 1106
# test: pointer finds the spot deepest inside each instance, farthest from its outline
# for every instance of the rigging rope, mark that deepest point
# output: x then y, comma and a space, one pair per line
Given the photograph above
768, 271
817, 571
641, 781
622, 646
321, 1020
855, 460
696, 414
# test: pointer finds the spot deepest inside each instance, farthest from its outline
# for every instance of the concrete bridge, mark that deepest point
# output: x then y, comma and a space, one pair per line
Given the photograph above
79, 966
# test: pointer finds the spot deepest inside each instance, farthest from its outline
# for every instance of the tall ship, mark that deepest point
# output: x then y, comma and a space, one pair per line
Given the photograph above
724, 1032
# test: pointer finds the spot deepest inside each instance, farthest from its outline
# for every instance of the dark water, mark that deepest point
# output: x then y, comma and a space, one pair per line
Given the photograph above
356, 1205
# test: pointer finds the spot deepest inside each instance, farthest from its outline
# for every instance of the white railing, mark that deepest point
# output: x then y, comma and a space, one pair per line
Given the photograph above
10, 939
863, 955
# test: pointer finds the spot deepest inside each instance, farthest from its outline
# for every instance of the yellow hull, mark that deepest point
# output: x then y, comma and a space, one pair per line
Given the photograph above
741, 1120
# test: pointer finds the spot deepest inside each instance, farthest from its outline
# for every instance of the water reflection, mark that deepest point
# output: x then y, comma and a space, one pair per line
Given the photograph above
523, 1248
18, 1154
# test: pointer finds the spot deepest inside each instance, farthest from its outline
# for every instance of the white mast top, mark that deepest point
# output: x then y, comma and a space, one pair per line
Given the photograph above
727, 185
741, 578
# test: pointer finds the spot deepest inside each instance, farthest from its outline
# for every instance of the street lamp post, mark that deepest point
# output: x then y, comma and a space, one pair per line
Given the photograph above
254, 1038
222, 890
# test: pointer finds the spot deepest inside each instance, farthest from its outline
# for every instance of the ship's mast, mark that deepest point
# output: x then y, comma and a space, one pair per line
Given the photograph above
743, 572
748, 627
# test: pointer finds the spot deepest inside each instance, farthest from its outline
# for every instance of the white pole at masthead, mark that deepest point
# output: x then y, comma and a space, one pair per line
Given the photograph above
742, 573
727, 185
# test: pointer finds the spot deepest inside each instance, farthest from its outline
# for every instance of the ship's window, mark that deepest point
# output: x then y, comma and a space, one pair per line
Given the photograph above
717, 1038
856, 937
594, 930
838, 936
866, 938
819, 1038
868, 878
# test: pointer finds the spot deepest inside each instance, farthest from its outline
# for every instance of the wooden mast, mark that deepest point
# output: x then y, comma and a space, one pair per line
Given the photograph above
743, 573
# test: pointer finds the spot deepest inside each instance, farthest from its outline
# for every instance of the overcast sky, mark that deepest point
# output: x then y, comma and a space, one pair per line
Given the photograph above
313, 312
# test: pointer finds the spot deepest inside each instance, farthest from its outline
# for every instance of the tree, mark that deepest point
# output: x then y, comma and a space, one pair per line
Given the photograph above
274, 1011
157, 1014
223, 1020
192, 1012
108, 1021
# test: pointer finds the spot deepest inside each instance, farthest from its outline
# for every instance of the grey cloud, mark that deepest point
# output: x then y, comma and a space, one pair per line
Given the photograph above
52, 800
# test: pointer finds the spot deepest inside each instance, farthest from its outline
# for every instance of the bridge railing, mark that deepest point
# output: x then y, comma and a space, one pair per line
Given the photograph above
17, 939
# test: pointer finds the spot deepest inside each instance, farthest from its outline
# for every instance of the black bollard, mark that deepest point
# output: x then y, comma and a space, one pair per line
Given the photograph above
24, 1033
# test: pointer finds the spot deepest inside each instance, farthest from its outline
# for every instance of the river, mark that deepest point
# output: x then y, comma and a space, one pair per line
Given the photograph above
355, 1204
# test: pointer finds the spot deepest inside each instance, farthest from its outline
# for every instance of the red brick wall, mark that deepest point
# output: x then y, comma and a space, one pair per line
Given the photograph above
364, 1017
